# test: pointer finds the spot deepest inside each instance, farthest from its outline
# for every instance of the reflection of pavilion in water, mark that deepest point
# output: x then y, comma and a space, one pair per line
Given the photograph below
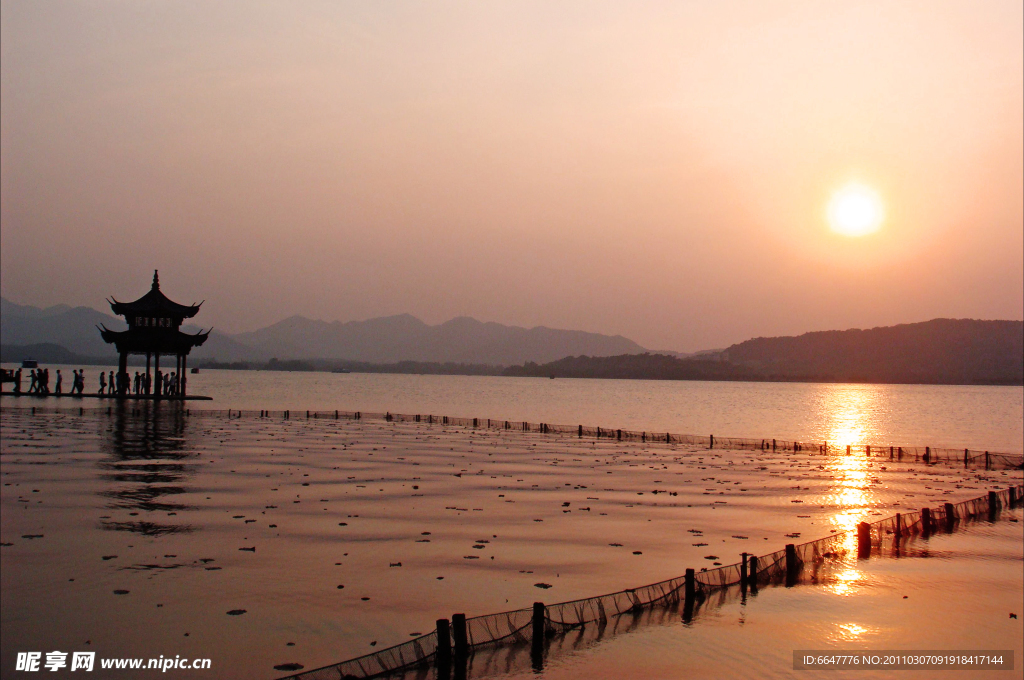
149, 462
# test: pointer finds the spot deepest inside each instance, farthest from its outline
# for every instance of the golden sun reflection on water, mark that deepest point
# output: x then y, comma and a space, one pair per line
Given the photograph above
848, 632
849, 410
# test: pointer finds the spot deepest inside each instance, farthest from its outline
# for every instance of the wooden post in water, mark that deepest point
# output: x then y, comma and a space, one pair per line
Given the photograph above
743, 570
847, 449
863, 540
444, 647
926, 521
890, 453
993, 506
459, 636
581, 431
927, 454
792, 565
967, 457
899, 453
711, 438
689, 594
618, 435
897, 532
752, 573
988, 461
773, 445
474, 423
668, 438
539, 625
950, 516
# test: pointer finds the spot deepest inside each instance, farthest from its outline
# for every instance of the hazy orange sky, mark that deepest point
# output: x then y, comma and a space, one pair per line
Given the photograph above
656, 170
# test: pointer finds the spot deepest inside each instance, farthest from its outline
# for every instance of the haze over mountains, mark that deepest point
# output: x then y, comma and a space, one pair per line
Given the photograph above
381, 340
950, 351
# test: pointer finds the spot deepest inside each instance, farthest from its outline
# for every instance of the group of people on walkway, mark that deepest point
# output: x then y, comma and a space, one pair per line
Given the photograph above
39, 382
161, 385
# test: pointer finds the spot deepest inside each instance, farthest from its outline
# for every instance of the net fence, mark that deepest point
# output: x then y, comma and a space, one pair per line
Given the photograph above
968, 458
808, 561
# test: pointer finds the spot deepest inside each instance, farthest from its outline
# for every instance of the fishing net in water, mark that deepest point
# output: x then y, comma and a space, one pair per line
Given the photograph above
807, 561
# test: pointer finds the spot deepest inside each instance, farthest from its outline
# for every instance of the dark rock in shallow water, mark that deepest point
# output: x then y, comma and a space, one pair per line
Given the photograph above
289, 667
545, 586
236, 612
121, 592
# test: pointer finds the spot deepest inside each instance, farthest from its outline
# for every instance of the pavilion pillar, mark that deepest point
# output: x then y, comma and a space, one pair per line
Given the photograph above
157, 383
122, 373
148, 378
184, 370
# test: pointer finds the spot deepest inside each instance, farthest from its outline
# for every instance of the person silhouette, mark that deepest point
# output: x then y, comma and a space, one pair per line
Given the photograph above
103, 383
58, 383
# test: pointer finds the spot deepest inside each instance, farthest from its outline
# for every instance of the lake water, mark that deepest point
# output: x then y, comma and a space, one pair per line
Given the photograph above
948, 416
264, 543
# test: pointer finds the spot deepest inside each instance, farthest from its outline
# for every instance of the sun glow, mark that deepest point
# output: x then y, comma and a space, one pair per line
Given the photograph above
855, 210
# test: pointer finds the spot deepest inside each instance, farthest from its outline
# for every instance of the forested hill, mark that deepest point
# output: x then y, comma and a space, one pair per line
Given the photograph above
951, 351
941, 351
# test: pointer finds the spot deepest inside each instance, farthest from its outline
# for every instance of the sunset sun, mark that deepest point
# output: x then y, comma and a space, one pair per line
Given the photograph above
855, 210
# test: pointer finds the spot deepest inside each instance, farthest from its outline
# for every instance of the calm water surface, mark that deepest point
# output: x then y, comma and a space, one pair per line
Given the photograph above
979, 417
139, 534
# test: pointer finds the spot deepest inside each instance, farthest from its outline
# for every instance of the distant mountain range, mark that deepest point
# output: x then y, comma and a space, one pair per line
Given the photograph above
947, 351
383, 340
951, 351
940, 351
406, 338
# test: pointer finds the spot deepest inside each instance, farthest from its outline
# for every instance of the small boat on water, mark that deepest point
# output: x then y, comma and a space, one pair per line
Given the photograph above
340, 370
195, 370
29, 363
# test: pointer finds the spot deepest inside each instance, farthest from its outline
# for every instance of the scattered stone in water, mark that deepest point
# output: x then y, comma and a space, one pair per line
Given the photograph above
287, 666
252, 549
109, 557
236, 612
545, 586
121, 592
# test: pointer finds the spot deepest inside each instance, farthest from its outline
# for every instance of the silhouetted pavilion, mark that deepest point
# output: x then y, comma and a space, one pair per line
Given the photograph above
153, 329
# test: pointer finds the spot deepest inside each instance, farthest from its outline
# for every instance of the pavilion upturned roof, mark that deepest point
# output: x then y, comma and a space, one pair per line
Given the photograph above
154, 303
162, 340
